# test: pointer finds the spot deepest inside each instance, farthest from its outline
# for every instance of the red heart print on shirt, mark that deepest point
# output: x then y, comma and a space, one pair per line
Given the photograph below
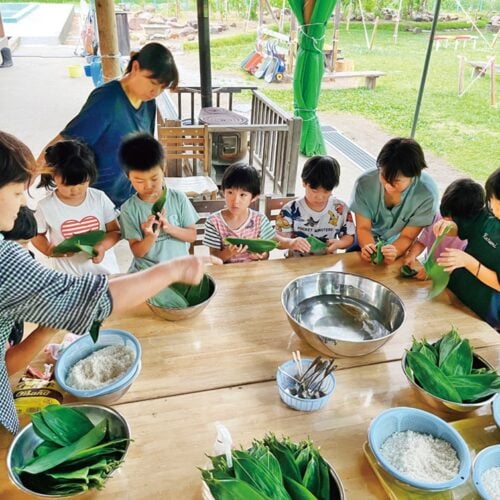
71, 227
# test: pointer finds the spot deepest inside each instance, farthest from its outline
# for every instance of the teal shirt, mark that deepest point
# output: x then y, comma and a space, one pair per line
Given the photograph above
419, 204
180, 212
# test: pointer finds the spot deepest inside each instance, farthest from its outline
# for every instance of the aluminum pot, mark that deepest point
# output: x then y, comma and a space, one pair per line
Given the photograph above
316, 306
443, 404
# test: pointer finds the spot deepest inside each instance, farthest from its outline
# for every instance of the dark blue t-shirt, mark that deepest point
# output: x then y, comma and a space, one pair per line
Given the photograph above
105, 119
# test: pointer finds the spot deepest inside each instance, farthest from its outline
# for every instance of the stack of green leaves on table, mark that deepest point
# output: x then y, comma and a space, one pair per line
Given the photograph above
75, 455
180, 295
80, 243
271, 468
446, 369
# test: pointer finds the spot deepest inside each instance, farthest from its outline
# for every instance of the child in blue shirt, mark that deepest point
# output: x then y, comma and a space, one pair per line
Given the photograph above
159, 237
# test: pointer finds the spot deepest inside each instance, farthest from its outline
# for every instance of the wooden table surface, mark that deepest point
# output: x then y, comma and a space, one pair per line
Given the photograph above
220, 366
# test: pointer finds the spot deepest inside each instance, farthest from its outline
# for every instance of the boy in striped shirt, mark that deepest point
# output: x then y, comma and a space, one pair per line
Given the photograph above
241, 187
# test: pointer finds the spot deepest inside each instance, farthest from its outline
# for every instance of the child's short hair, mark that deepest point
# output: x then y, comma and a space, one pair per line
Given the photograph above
140, 151
493, 185
25, 226
73, 160
401, 155
462, 199
321, 172
241, 176
16, 160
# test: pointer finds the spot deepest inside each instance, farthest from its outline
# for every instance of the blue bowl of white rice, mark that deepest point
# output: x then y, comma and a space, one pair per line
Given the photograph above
419, 449
102, 371
486, 473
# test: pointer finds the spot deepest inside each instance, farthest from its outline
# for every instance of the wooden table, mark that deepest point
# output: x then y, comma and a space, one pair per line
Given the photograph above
220, 366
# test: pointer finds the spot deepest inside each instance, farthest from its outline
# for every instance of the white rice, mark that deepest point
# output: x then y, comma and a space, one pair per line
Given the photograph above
101, 368
421, 457
491, 482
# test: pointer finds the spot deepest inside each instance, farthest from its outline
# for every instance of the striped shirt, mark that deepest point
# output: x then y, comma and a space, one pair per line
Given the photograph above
32, 292
257, 225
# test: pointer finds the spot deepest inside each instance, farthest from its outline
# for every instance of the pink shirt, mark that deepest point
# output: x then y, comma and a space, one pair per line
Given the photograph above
427, 238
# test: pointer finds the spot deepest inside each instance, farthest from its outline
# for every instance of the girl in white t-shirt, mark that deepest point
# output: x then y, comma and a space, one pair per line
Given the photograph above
75, 208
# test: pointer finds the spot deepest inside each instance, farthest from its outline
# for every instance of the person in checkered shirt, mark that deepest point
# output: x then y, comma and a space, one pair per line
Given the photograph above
31, 292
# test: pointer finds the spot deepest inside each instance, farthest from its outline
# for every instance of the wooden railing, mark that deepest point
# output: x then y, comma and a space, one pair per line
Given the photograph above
274, 135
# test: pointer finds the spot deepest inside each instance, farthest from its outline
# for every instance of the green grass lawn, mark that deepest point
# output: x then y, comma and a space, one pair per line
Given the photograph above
463, 130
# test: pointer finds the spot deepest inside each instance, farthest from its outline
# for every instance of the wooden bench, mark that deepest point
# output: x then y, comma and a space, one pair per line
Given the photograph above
369, 76
482, 67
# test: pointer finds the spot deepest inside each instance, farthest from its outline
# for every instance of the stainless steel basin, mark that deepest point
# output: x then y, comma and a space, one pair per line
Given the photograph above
342, 314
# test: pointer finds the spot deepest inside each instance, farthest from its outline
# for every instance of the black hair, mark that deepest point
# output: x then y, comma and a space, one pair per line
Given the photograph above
321, 172
25, 226
17, 163
157, 59
241, 176
403, 156
140, 151
73, 160
462, 199
493, 185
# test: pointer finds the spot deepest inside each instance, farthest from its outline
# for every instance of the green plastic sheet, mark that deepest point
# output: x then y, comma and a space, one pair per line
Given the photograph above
309, 69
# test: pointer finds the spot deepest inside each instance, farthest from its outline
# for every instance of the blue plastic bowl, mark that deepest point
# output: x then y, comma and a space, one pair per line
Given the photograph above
411, 419
85, 346
486, 459
284, 381
495, 409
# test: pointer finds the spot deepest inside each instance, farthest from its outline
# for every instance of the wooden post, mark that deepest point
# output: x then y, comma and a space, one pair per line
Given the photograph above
461, 68
372, 39
108, 39
396, 28
336, 34
349, 14
493, 84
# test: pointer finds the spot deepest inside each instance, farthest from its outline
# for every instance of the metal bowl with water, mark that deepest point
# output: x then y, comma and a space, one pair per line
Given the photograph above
342, 314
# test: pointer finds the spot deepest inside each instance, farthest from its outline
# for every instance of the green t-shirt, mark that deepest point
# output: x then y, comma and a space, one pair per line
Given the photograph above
418, 205
483, 235
180, 212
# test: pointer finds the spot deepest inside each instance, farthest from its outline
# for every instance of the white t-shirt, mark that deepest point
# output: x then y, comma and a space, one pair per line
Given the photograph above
61, 221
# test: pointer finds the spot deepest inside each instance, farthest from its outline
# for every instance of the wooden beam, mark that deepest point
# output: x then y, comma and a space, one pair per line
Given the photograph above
108, 39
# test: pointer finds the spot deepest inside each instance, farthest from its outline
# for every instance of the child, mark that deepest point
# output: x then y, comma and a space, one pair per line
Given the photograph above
165, 235
394, 201
75, 208
31, 292
318, 213
241, 187
475, 272
464, 198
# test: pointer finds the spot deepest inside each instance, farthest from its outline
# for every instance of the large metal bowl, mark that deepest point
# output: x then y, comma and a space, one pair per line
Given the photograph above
316, 306
21, 448
171, 314
443, 404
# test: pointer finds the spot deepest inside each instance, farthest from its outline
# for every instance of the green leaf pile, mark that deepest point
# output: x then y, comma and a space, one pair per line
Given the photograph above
446, 369
80, 243
74, 456
436, 273
254, 245
271, 468
316, 244
180, 295
407, 272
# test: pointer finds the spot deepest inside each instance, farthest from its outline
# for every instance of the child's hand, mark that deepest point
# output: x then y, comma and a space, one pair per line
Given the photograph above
163, 221
236, 249
333, 246
101, 251
390, 253
453, 258
440, 226
147, 227
367, 251
258, 256
300, 245
414, 264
